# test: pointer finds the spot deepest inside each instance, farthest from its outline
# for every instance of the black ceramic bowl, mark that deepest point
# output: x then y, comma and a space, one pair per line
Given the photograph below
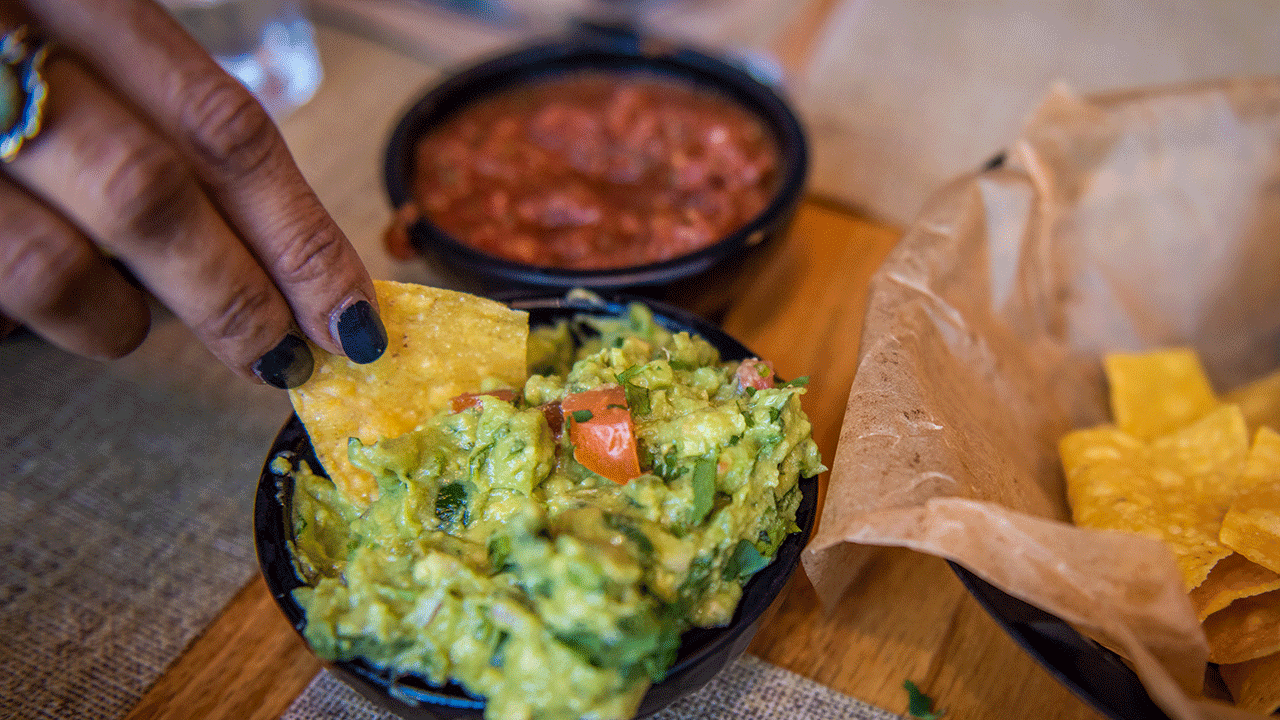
1094, 673
612, 51
703, 651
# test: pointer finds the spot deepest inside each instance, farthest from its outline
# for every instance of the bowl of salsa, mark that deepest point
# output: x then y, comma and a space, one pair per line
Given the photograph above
602, 160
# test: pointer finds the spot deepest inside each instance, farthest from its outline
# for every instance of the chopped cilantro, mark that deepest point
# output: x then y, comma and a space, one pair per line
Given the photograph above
637, 398
581, 415
451, 504
744, 561
499, 551
629, 373
919, 705
667, 465
499, 656
631, 531
704, 490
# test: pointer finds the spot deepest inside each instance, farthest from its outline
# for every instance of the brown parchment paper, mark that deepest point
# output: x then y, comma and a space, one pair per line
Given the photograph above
1116, 223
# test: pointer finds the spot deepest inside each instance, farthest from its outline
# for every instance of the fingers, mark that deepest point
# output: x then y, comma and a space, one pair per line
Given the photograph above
114, 178
238, 155
7, 326
53, 281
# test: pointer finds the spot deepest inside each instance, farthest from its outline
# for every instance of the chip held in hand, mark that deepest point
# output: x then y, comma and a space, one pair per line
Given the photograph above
440, 344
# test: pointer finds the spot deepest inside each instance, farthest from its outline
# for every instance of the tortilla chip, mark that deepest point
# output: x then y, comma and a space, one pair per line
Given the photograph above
1246, 629
1259, 401
440, 344
1232, 578
1252, 524
1176, 488
1200, 468
1157, 392
1211, 453
1254, 684
1109, 483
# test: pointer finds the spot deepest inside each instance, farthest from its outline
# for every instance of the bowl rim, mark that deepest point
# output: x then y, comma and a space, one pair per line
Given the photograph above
600, 50
271, 539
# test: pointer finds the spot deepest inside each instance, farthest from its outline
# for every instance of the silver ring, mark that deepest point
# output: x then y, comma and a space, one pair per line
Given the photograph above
22, 89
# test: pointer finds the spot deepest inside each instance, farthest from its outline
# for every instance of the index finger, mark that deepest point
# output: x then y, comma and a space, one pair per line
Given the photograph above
239, 155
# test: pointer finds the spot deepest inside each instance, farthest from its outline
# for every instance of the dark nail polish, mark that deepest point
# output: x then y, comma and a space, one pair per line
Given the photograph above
286, 365
361, 333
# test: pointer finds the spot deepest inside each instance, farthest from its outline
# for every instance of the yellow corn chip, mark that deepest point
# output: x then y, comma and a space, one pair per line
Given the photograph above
1234, 577
1259, 401
1246, 629
1176, 488
1200, 467
1254, 684
1157, 392
1210, 452
1177, 466
440, 343
1109, 484
1252, 524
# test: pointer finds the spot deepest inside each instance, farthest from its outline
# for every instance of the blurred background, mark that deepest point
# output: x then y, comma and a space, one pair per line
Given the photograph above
898, 96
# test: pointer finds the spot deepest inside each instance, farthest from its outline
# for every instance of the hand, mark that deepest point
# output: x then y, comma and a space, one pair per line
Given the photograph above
151, 156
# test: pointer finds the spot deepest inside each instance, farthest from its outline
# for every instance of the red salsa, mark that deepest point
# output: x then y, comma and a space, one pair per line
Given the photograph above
595, 170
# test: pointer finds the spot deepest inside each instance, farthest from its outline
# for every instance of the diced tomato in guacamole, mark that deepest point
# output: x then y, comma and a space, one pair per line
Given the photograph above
602, 432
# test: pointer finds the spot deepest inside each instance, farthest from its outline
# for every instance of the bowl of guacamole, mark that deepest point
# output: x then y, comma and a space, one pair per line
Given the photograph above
597, 543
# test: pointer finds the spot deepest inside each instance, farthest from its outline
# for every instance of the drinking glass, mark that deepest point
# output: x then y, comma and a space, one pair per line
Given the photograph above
269, 45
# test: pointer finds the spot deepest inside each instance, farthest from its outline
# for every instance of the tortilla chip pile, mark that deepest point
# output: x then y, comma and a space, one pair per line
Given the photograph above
440, 344
1201, 473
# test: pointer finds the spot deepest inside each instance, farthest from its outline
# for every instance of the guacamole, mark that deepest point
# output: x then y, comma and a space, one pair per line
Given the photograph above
546, 546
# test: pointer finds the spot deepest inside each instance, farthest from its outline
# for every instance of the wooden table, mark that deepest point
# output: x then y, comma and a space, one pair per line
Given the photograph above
907, 616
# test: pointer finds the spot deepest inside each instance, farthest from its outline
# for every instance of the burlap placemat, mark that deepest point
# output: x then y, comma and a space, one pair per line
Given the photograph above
126, 497
749, 689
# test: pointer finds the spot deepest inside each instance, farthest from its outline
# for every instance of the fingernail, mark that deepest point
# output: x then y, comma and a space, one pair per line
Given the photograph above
361, 333
286, 365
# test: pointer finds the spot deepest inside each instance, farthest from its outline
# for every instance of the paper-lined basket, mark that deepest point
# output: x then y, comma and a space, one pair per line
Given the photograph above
1122, 223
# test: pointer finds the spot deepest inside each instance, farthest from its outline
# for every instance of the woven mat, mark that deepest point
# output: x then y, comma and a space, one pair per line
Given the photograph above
119, 547
750, 689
